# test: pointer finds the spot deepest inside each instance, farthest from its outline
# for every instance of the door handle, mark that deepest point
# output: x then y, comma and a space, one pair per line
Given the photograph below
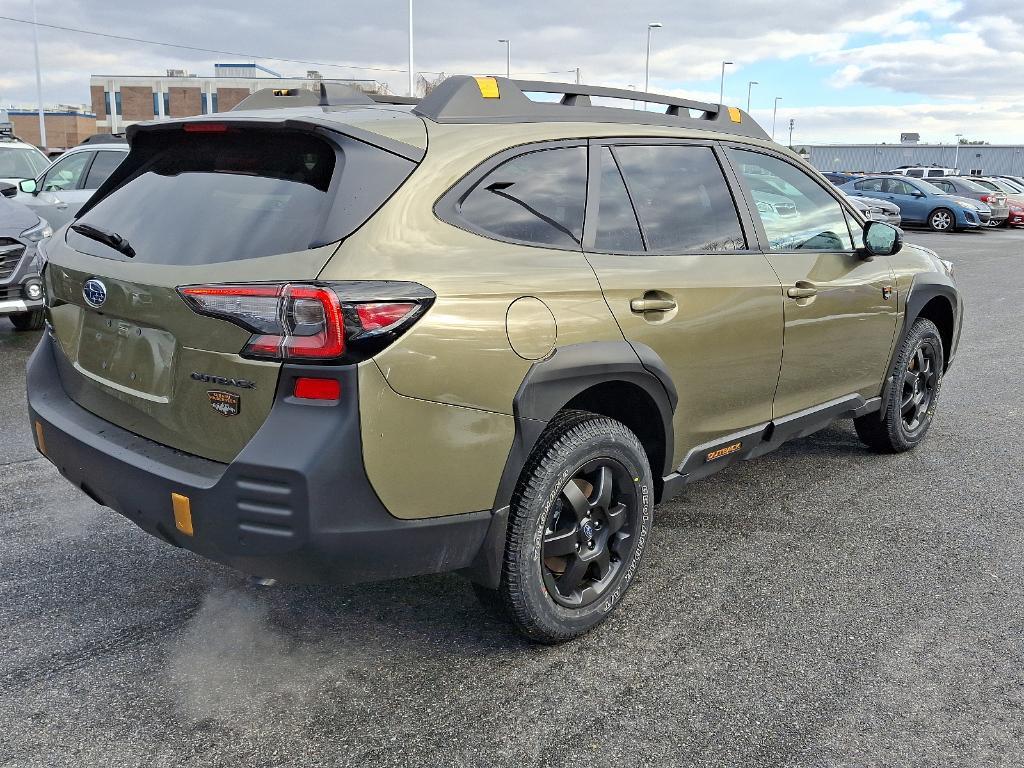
652, 305
61, 206
802, 291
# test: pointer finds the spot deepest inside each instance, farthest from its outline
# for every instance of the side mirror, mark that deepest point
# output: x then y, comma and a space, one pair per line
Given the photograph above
881, 239
28, 186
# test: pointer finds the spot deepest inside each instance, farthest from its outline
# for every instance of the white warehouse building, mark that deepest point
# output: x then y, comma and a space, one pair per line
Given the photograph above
974, 159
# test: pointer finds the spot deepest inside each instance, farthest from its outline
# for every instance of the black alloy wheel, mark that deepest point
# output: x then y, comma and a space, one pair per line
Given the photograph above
589, 534
920, 382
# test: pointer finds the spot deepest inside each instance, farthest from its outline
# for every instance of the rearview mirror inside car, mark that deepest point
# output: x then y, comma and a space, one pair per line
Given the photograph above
881, 239
28, 186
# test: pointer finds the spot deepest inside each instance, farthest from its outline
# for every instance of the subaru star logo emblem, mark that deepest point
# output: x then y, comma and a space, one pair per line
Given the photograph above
95, 292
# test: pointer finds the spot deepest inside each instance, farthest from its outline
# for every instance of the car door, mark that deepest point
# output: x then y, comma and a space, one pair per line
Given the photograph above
58, 194
840, 308
682, 274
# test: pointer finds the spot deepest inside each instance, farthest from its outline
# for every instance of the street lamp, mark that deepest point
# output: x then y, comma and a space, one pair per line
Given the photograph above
775, 113
956, 154
750, 85
412, 83
647, 66
39, 77
508, 58
721, 87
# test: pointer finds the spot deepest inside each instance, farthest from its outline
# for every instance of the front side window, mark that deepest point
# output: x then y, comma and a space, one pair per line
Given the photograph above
536, 198
68, 173
681, 198
797, 213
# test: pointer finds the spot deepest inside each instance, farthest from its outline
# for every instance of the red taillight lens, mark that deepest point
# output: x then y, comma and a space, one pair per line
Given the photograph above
984, 198
380, 317
206, 128
302, 322
317, 389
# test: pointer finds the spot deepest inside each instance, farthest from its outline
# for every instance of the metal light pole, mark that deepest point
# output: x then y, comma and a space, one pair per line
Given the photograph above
750, 85
721, 87
508, 58
39, 77
956, 154
412, 75
647, 66
792, 122
775, 113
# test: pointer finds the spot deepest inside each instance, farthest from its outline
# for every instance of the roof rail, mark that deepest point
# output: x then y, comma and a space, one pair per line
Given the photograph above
383, 98
463, 99
330, 95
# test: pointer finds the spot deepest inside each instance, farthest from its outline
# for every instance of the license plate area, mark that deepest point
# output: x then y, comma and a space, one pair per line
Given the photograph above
127, 355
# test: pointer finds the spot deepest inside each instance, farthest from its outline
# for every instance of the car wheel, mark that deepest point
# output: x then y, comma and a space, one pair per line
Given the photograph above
578, 526
942, 220
913, 394
28, 321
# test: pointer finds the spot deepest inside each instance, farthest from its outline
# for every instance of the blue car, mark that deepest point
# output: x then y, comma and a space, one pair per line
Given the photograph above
922, 203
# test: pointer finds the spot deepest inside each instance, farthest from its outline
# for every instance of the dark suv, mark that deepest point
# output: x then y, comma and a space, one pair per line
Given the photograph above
337, 339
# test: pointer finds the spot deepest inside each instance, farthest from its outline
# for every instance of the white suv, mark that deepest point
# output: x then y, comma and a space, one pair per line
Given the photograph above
924, 171
19, 160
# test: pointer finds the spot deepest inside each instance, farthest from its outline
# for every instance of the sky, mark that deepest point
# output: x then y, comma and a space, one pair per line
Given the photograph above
861, 71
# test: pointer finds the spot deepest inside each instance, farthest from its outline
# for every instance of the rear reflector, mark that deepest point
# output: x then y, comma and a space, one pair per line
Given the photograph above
317, 389
40, 439
182, 513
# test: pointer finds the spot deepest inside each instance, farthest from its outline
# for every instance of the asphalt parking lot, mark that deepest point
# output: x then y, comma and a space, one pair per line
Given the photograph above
820, 606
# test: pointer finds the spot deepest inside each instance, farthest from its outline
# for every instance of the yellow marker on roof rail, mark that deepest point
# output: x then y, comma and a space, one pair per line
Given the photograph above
488, 87
735, 115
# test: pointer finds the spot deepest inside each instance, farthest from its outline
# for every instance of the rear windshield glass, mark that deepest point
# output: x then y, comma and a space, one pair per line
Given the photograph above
202, 198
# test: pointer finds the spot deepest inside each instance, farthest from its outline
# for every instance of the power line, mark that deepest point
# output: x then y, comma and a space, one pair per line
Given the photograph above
201, 50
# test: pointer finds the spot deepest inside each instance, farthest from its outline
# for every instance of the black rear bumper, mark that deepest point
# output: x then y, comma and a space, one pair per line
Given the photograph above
295, 505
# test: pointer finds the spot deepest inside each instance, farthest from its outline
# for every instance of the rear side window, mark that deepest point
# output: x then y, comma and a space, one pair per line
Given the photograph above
208, 197
536, 198
102, 167
681, 198
617, 228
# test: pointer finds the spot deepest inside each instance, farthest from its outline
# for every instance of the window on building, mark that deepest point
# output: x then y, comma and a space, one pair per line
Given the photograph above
213, 103
156, 103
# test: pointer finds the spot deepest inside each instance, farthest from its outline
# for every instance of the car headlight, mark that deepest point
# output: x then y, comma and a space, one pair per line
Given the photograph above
40, 231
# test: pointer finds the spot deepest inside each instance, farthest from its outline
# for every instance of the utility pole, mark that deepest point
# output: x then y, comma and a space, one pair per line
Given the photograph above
750, 85
508, 58
577, 75
956, 154
791, 123
39, 76
775, 113
412, 73
647, 66
721, 87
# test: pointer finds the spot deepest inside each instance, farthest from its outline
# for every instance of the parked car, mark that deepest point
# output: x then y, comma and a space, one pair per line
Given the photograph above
63, 187
839, 178
355, 343
924, 171
21, 288
1014, 197
1017, 181
921, 202
19, 160
877, 210
961, 186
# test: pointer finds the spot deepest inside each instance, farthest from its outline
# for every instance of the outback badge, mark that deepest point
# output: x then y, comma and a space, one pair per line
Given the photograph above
225, 403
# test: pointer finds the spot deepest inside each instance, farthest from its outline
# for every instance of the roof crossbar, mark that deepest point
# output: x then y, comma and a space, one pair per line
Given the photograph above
463, 99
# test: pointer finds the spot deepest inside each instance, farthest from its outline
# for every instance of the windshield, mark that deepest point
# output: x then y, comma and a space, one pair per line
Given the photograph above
21, 163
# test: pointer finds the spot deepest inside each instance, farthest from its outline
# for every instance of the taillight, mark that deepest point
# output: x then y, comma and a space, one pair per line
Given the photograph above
984, 198
300, 322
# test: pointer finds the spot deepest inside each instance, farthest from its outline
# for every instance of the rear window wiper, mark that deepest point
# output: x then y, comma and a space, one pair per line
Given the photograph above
114, 240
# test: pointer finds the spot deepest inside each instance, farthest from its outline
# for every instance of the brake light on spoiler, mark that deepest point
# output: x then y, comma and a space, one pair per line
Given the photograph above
313, 322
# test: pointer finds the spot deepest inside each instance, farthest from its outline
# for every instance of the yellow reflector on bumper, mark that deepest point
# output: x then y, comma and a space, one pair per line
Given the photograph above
40, 440
182, 513
734, 114
488, 87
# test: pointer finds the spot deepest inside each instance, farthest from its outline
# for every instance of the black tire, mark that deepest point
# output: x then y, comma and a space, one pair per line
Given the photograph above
942, 220
28, 321
910, 405
597, 532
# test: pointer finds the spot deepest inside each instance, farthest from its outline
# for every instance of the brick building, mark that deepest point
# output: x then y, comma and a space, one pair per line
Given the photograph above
64, 127
119, 101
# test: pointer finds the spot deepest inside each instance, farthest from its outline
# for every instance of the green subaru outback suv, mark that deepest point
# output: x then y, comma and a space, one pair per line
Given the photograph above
327, 338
